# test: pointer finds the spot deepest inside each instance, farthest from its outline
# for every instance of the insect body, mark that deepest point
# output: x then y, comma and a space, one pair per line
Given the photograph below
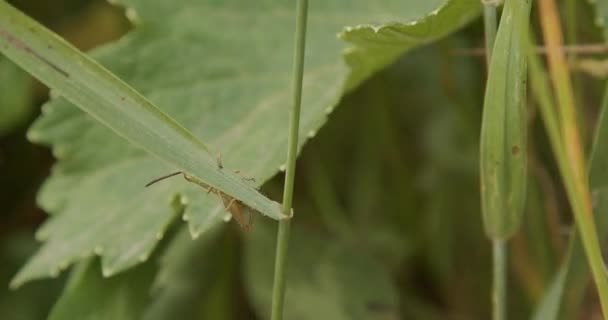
235, 207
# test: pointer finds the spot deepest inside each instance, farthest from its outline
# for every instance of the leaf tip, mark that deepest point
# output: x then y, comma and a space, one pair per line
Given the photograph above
132, 15
33, 136
107, 272
54, 272
143, 258
194, 234
16, 283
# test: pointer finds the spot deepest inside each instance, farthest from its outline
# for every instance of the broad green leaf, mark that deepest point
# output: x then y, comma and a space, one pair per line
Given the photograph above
503, 147
113, 103
326, 279
221, 69
376, 45
88, 296
15, 96
186, 274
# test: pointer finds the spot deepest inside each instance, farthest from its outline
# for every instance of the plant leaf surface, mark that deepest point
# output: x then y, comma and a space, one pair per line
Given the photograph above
222, 70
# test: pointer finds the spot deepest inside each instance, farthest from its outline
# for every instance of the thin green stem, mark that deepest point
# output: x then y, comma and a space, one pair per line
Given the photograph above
280, 264
499, 294
278, 293
499, 247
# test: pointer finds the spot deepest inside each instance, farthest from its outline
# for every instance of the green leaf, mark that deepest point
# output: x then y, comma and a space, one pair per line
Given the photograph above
221, 69
15, 100
116, 105
377, 45
187, 273
503, 147
326, 279
89, 296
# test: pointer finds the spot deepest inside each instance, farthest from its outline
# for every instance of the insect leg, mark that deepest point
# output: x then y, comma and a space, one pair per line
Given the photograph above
250, 223
196, 181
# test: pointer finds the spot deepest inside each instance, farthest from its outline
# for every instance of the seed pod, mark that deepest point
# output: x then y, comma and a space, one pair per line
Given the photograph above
503, 129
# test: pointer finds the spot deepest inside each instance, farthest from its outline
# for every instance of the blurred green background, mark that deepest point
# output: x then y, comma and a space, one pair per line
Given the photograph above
394, 174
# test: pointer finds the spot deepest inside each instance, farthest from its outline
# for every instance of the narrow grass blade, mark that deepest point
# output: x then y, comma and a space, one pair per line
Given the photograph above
573, 166
573, 274
98, 92
548, 308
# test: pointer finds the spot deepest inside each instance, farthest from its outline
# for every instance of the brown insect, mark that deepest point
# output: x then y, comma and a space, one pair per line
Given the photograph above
235, 207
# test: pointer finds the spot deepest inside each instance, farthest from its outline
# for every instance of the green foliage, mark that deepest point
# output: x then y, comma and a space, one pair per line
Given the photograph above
195, 277
386, 197
113, 103
325, 278
236, 102
377, 45
396, 199
503, 146
564, 294
574, 272
90, 296
187, 274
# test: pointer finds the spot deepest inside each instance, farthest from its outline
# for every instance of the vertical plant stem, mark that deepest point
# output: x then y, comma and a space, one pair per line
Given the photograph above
499, 247
278, 290
576, 174
499, 294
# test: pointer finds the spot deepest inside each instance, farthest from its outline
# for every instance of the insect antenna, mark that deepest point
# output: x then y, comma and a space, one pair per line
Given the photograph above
163, 178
